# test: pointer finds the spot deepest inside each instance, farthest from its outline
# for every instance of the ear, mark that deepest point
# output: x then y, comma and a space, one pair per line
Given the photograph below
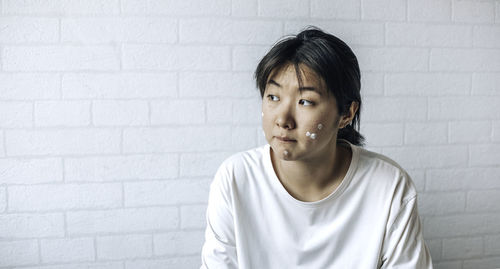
349, 115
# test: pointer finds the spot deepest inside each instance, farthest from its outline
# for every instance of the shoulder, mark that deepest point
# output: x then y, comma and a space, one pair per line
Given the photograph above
240, 164
386, 173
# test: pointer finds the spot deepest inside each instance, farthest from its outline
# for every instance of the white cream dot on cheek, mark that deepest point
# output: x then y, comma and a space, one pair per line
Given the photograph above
313, 136
320, 126
308, 134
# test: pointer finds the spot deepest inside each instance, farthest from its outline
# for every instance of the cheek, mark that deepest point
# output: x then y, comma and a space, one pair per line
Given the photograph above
315, 130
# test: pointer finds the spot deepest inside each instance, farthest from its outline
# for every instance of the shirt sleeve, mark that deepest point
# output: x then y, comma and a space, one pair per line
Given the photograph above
404, 245
219, 249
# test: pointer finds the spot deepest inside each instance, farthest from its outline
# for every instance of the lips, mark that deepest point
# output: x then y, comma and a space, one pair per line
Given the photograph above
285, 139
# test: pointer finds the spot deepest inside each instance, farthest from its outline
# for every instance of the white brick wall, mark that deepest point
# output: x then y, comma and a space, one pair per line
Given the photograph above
114, 116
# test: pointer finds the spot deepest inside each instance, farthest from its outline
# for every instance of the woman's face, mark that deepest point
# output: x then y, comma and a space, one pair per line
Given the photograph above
300, 123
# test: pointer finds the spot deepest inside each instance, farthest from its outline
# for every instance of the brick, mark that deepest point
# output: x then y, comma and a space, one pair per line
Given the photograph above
201, 164
193, 216
182, 112
464, 108
30, 171
486, 36
122, 220
338, 9
428, 156
175, 139
462, 179
60, 58
469, 131
26, 30
473, 11
226, 31
174, 262
243, 138
219, 111
120, 113
492, 245
64, 196
120, 30
20, 252
123, 85
29, 86
244, 8
497, 16
128, 246
67, 250
62, 142
37, 225
461, 225
485, 83
466, 60
387, 10
462, 248
426, 133
61, 7
217, 84
177, 7
429, 10
483, 201
167, 192
283, 8
441, 203
425, 35
372, 84
82, 265
3, 199
246, 58
179, 243
352, 33
435, 248
119, 168
383, 134
247, 111
2, 144
447, 264
62, 113
487, 154
393, 59
15, 114
387, 109
496, 131
427, 84
482, 263
175, 58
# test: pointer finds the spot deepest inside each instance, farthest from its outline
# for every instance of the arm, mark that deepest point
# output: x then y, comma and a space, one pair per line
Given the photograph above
404, 245
219, 249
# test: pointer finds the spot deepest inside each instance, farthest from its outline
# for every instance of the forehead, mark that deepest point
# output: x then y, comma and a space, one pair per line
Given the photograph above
301, 77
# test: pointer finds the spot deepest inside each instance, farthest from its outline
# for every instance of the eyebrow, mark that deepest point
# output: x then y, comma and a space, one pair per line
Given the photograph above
301, 89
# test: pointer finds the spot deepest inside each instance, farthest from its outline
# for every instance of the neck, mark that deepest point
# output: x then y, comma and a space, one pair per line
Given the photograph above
312, 179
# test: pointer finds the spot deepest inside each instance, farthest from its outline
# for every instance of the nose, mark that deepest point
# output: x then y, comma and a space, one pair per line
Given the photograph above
285, 117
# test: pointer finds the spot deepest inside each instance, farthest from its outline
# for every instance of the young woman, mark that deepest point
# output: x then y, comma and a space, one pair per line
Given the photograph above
312, 197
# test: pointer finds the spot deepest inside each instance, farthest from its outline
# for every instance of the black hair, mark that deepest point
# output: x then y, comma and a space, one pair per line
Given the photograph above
331, 59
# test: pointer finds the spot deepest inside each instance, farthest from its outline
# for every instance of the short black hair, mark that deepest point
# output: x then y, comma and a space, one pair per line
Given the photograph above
331, 59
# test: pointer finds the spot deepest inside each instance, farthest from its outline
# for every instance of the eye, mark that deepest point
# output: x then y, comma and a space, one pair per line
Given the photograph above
272, 97
306, 102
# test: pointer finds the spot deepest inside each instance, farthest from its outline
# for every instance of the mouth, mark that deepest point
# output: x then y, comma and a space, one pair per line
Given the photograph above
285, 139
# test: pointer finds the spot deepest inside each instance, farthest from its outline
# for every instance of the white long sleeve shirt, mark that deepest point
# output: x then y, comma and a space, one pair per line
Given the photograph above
369, 221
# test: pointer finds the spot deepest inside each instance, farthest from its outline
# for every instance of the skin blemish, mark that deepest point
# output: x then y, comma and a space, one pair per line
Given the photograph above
285, 152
